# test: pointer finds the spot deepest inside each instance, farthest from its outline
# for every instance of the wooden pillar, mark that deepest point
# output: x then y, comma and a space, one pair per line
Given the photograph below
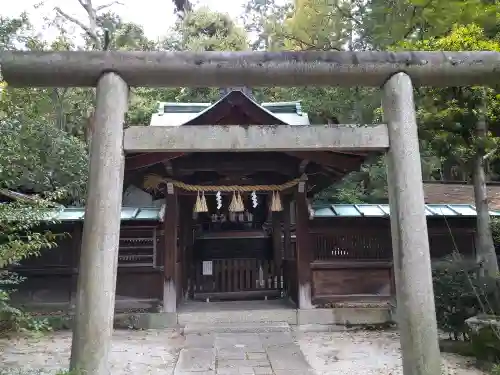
76, 241
287, 229
304, 250
185, 227
277, 238
410, 241
277, 247
101, 232
170, 249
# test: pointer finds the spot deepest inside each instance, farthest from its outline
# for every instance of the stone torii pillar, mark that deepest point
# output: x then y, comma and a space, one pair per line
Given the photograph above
410, 242
101, 232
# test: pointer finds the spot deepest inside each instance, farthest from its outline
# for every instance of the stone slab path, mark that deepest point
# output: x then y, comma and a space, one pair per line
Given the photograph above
271, 353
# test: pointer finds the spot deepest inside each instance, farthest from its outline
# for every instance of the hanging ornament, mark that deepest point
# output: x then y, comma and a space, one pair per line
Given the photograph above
201, 203
219, 200
234, 203
276, 203
197, 205
240, 207
255, 203
162, 213
204, 207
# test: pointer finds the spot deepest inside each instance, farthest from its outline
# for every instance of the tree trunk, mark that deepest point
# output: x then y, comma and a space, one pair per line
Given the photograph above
485, 248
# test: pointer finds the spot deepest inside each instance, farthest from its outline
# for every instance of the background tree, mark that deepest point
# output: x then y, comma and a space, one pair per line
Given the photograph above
454, 121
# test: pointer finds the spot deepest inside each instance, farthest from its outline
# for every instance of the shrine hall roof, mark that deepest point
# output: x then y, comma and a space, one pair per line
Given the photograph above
176, 114
320, 211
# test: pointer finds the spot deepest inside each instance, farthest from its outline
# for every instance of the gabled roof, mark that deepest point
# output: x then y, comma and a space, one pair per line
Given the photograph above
458, 193
176, 114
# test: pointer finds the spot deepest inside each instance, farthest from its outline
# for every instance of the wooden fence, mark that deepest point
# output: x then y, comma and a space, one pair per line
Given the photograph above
236, 278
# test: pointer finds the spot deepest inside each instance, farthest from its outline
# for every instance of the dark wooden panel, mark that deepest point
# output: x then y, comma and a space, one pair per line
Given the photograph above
208, 249
443, 244
43, 289
139, 285
60, 256
351, 281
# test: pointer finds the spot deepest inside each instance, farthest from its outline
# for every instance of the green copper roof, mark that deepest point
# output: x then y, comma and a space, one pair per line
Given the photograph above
381, 210
320, 211
278, 107
176, 114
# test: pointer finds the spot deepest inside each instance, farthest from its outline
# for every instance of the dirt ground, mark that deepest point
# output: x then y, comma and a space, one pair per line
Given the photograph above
156, 352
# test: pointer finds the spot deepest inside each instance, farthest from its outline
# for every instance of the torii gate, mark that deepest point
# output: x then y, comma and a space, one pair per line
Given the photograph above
114, 72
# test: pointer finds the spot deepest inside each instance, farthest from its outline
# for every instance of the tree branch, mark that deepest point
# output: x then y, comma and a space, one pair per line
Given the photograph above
102, 7
490, 154
72, 19
412, 27
309, 46
90, 30
348, 15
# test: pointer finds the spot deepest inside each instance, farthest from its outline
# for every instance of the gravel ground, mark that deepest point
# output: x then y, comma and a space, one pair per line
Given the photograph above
133, 352
155, 352
366, 353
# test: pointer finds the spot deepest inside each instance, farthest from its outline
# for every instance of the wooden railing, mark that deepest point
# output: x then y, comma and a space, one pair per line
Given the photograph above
351, 246
138, 246
231, 278
370, 245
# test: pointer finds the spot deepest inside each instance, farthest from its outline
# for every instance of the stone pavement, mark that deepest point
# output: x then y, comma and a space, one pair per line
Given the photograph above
230, 353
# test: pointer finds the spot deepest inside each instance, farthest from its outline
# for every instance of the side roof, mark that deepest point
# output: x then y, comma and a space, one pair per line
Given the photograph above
459, 193
320, 211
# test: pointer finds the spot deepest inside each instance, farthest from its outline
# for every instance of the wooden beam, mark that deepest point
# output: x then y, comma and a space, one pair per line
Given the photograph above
287, 229
170, 251
218, 138
225, 163
341, 162
304, 250
218, 69
134, 162
276, 218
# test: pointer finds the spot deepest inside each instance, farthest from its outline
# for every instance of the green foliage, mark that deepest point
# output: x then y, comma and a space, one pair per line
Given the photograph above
485, 344
382, 23
38, 157
448, 117
318, 24
495, 230
20, 238
205, 30
264, 19
460, 294
495, 370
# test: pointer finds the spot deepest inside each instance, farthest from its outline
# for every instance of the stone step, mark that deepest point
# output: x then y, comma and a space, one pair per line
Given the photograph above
259, 327
242, 316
